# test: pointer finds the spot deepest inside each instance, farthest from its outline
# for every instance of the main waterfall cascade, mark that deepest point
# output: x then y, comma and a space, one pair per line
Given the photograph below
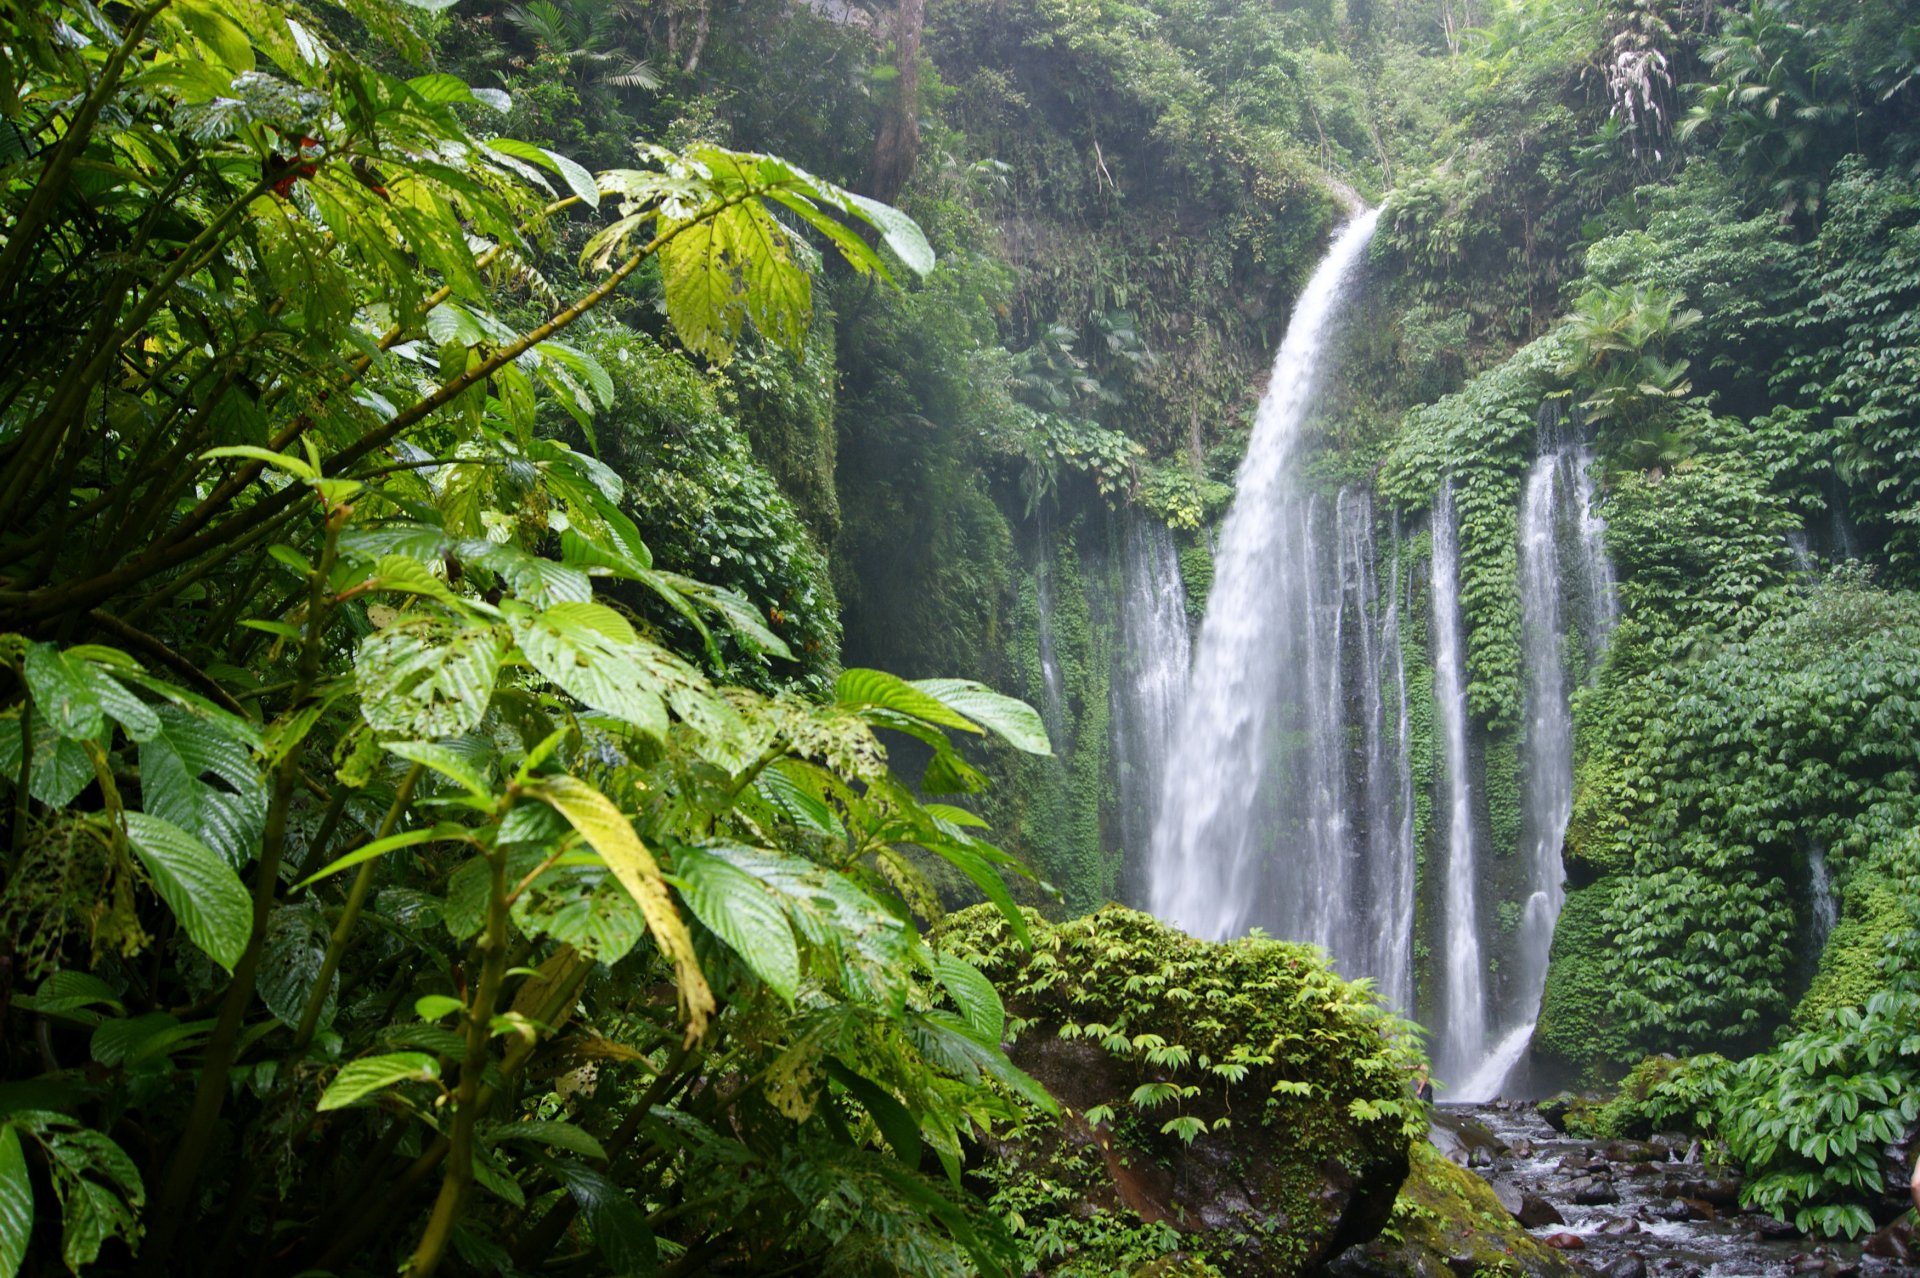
1262, 760
1273, 787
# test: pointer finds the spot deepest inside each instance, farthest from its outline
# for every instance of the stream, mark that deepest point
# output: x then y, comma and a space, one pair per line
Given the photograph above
1634, 1209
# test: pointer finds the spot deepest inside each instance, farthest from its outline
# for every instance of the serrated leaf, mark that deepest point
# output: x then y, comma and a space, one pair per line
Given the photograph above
362, 1078
77, 697
296, 949
16, 1203
607, 830
552, 1134
198, 886
60, 770
740, 910
620, 1229
179, 767
591, 652
591, 912
974, 995
130, 1041
1012, 720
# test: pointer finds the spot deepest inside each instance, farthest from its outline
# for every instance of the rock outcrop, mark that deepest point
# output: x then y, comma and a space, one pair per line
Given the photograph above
1236, 1107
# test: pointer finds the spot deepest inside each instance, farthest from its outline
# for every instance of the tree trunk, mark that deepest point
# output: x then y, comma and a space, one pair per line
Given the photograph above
898, 144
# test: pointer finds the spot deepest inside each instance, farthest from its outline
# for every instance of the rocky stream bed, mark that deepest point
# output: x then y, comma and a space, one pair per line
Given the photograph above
1642, 1209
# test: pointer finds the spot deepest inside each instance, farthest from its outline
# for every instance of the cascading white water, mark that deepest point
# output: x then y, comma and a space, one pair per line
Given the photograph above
1053, 708
1150, 672
1566, 582
1252, 827
1461, 1034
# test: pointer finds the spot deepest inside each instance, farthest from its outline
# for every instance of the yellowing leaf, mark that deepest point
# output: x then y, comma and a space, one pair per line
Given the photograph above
604, 827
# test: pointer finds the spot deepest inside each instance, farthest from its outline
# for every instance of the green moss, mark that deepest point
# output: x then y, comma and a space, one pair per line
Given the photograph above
1136, 1027
1500, 782
1445, 1213
1196, 575
1578, 1034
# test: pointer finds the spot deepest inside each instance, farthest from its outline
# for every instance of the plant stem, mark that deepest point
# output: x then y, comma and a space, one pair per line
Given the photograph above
356, 900
174, 1203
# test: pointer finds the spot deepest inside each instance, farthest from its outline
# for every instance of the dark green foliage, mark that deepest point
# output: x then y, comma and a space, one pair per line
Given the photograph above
1579, 1032
702, 499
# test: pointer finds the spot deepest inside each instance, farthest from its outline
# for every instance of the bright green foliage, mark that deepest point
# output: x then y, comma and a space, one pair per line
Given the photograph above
1733, 765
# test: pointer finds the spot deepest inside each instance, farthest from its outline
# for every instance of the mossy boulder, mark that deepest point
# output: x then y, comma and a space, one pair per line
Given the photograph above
1447, 1223
1237, 1105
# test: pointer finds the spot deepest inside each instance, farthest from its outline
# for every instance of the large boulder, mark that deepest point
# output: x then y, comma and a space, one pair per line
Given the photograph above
1451, 1224
1236, 1105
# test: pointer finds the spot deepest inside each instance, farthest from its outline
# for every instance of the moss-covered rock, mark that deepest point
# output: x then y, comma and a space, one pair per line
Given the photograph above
1447, 1223
1236, 1103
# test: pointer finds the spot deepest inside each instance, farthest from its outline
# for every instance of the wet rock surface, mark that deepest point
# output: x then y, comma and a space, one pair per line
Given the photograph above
1645, 1209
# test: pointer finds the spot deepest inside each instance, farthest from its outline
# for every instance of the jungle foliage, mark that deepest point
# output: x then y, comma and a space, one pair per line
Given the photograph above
405, 867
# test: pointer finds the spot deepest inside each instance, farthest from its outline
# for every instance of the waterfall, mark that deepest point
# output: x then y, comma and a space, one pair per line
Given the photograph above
1254, 827
1566, 589
1150, 674
1461, 1035
1053, 701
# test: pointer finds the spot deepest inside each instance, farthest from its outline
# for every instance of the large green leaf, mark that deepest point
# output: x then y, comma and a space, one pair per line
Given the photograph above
99, 1190
201, 889
427, 679
203, 780
592, 652
743, 912
620, 1229
586, 909
16, 1203
296, 950
857, 688
362, 1078
75, 694
60, 767
1013, 720
551, 1134
975, 996
608, 831
735, 265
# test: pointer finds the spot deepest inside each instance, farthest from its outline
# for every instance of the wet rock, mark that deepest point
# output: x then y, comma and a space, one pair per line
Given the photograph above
1673, 1209
1565, 1242
1722, 1192
1480, 1158
1522, 1148
1620, 1226
1700, 1209
1768, 1228
1626, 1267
1536, 1211
1593, 1193
1509, 1195
1459, 1136
1555, 1108
1899, 1241
1632, 1151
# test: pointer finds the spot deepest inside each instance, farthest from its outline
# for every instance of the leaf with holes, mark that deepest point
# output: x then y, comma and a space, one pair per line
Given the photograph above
427, 679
